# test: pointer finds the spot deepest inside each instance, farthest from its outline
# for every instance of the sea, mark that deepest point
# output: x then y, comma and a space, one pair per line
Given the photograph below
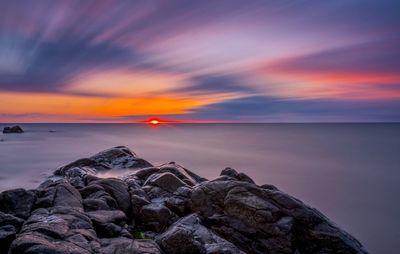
350, 172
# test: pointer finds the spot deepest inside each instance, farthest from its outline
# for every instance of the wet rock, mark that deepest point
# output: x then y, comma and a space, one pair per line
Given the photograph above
13, 129
17, 202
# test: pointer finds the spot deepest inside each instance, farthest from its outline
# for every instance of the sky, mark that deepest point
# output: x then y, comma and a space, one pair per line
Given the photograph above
206, 61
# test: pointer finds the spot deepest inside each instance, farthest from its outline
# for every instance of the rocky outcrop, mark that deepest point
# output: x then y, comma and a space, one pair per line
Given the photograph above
13, 129
164, 209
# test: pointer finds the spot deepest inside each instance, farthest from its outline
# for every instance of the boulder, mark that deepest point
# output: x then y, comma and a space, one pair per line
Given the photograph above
56, 230
189, 236
118, 190
156, 217
13, 129
260, 220
109, 223
166, 181
18, 202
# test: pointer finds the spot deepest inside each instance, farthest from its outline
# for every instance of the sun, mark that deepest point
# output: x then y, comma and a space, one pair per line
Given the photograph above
154, 122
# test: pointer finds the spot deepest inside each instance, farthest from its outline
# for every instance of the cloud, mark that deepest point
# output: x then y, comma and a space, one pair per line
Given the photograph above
216, 83
53, 64
378, 56
272, 109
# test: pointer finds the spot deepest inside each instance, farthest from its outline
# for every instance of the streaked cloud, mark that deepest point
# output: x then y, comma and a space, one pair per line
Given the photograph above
121, 60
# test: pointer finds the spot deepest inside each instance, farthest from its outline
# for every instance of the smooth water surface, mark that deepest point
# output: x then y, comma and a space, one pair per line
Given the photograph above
350, 172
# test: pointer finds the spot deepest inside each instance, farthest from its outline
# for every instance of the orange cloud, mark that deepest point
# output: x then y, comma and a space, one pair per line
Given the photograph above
123, 83
49, 107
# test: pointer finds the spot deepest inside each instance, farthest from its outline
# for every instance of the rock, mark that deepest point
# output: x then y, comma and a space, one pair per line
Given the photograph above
189, 236
17, 202
76, 211
123, 245
13, 129
234, 174
59, 194
120, 157
166, 181
7, 235
156, 217
8, 219
260, 220
118, 190
109, 223
56, 230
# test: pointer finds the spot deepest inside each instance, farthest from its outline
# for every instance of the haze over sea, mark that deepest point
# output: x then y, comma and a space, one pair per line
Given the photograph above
347, 171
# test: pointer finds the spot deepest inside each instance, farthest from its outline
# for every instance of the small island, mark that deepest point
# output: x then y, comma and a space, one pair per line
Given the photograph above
13, 129
160, 209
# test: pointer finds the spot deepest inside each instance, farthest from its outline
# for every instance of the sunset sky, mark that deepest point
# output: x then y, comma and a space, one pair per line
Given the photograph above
242, 61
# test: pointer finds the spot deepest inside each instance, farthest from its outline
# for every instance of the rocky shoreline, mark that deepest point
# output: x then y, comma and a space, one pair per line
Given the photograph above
160, 209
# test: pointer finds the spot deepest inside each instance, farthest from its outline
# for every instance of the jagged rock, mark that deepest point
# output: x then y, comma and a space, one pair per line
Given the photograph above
17, 202
188, 236
13, 129
76, 211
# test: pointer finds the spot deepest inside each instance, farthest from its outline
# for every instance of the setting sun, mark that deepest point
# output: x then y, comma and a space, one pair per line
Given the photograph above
154, 122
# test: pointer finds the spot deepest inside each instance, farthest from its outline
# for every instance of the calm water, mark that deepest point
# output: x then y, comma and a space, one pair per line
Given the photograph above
350, 172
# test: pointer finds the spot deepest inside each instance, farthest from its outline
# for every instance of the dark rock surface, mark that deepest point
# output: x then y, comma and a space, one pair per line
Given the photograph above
165, 209
13, 129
